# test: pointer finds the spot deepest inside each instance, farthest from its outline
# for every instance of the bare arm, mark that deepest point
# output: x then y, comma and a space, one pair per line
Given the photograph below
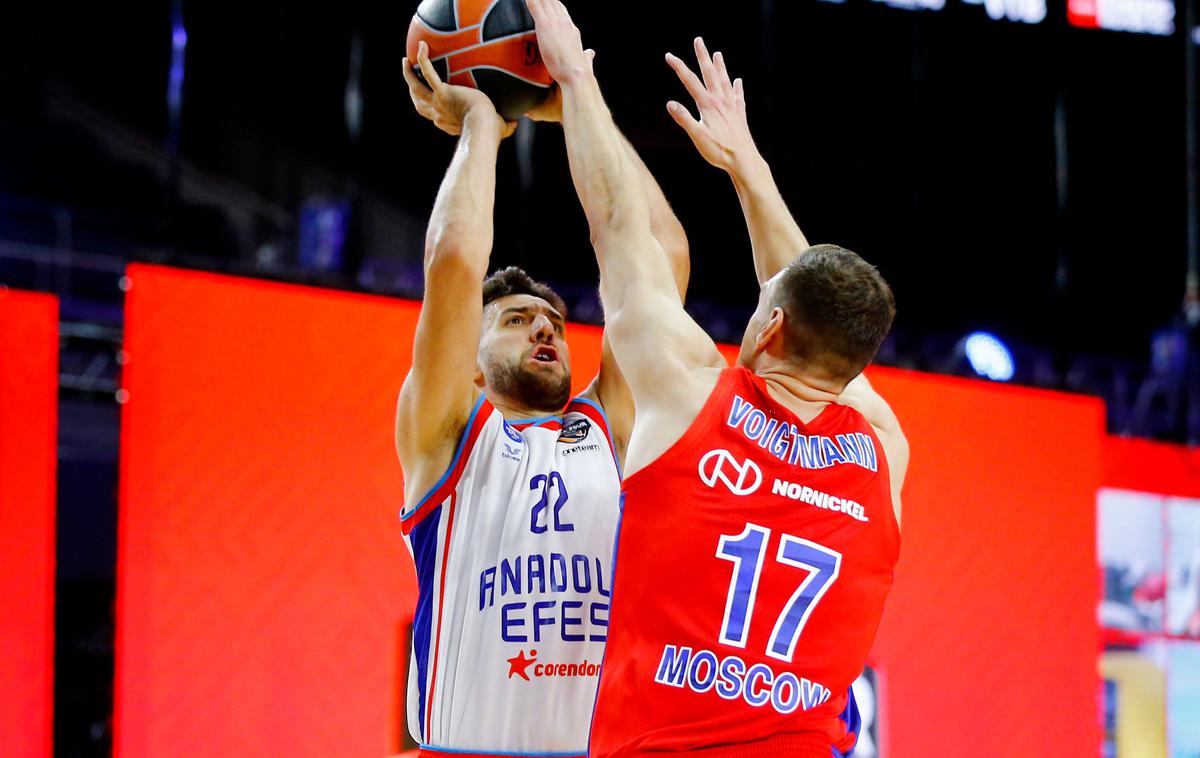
722, 135
439, 390
610, 388
862, 397
653, 338
664, 224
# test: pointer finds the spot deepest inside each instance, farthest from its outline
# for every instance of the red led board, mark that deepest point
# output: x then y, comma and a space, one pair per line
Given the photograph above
988, 644
1145, 16
1158, 467
28, 428
262, 578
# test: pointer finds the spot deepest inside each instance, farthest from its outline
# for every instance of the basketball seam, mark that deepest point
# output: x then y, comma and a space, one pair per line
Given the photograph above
469, 48
503, 71
434, 30
483, 20
486, 12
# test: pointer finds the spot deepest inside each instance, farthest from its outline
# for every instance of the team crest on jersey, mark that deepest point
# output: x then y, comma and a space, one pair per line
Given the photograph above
512, 434
576, 431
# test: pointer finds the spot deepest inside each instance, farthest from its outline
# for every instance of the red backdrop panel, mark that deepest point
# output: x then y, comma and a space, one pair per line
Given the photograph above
28, 424
262, 580
262, 577
988, 644
1144, 466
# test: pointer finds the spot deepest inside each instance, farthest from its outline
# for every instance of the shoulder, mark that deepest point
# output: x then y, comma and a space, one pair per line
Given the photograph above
895, 452
664, 420
430, 476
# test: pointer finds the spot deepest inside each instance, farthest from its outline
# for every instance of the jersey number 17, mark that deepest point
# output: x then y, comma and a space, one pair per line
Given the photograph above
746, 551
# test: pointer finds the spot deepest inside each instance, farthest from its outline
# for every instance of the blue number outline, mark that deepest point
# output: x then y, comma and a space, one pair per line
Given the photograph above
804, 554
559, 526
740, 600
540, 505
547, 481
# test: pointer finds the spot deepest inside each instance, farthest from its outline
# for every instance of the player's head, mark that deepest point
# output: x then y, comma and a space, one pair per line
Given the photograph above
825, 314
523, 356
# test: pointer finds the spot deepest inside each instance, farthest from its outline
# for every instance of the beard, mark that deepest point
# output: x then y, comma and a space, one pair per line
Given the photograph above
532, 389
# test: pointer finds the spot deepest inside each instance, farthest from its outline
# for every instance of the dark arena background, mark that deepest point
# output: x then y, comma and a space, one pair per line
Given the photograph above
212, 221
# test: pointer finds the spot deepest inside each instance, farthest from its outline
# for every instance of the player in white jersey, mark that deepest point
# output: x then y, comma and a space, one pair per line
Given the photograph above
511, 488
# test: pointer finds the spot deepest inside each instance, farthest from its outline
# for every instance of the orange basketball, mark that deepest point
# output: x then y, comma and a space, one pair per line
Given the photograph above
486, 44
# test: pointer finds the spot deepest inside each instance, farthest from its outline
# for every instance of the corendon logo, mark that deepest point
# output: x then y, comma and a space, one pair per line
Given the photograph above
740, 477
523, 667
519, 665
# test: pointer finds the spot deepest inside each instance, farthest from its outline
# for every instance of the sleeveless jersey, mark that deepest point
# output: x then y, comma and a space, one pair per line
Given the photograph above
753, 560
513, 551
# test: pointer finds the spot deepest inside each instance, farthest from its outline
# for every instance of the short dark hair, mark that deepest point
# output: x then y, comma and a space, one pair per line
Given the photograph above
514, 281
838, 310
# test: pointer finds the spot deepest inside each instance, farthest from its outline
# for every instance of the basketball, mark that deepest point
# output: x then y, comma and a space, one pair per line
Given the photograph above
484, 44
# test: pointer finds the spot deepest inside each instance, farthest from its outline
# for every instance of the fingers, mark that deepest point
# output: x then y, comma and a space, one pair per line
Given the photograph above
712, 68
739, 94
543, 11
548, 9
684, 118
551, 19
716, 76
707, 70
722, 73
427, 69
561, 10
418, 90
690, 81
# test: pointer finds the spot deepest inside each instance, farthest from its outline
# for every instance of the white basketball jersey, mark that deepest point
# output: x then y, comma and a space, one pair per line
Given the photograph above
513, 550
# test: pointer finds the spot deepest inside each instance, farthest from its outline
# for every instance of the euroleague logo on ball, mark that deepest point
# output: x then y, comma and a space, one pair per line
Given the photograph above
533, 54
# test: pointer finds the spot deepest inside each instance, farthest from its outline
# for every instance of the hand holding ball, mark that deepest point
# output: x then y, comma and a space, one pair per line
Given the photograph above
489, 45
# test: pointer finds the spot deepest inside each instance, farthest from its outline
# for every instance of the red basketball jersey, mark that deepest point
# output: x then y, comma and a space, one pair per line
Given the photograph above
753, 560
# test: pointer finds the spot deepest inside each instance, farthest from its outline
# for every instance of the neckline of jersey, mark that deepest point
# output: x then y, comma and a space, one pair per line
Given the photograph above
538, 420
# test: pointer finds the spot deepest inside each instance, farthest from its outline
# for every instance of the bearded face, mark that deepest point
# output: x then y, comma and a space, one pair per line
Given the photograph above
522, 354
533, 387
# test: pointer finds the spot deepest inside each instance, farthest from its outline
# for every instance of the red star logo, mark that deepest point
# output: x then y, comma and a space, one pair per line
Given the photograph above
518, 663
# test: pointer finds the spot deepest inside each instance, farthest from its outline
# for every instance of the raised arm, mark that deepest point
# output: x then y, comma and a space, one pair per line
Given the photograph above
439, 391
610, 388
655, 342
722, 135
664, 224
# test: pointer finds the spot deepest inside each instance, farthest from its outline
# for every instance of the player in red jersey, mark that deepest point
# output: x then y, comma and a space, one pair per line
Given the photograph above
760, 525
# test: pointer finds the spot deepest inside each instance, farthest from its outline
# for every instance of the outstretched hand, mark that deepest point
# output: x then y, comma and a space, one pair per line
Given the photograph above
722, 134
559, 41
448, 105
